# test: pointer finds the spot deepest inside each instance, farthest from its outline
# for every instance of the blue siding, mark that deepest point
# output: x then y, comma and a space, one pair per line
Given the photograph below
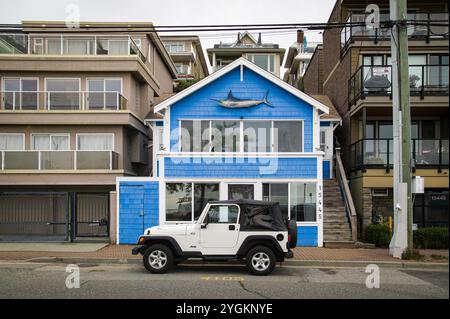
137, 197
307, 236
199, 105
186, 167
326, 173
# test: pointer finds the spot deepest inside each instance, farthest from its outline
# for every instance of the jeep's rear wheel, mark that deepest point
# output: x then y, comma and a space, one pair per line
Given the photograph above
260, 260
158, 259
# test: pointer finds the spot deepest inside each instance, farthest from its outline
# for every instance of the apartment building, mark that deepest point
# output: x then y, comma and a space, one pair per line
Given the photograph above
268, 56
297, 60
354, 70
73, 103
187, 53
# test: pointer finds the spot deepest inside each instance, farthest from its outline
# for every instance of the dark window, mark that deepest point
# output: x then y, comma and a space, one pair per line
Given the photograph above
278, 193
204, 193
178, 201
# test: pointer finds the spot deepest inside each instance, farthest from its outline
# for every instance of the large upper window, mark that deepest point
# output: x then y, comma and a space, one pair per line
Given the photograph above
241, 136
20, 94
264, 61
175, 47
63, 94
95, 142
11, 142
186, 201
288, 136
104, 93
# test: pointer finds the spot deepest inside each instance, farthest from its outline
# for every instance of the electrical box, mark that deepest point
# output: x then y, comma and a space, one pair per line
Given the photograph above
418, 185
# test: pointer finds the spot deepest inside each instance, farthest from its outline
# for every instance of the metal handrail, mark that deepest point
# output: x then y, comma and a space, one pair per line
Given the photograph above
345, 190
74, 165
357, 89
44, 98
29, 46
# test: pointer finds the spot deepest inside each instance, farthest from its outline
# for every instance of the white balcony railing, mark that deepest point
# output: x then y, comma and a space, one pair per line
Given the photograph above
62, 100
58, 160
68, 44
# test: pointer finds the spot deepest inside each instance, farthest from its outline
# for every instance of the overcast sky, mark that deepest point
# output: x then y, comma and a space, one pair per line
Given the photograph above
181, 12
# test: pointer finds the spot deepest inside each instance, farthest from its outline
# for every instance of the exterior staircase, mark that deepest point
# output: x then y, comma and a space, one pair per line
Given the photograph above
337, 231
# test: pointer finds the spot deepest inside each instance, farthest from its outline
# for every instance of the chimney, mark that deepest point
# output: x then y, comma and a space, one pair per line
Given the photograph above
238, 38
259, 39
300, 36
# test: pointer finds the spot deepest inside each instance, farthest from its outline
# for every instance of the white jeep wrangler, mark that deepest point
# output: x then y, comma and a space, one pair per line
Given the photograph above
253, 232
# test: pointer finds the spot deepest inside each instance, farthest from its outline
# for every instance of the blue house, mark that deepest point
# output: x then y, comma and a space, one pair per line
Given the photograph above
239, 133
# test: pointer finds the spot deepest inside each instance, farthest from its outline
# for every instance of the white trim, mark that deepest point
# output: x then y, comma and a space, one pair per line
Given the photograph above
23, 141
20, 78
242, 61
50, 135
319, 203
78, 134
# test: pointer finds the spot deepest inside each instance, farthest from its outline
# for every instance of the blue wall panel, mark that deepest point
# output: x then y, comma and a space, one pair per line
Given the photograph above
307, 236
199, 105
134, 198
326, 172
186, 167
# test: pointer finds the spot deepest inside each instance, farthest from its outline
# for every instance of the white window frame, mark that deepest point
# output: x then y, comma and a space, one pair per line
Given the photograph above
80, 101
32, 135
96, 134
250, 57
23, 140
211, 205
20, 78
169, 44
192, 201
241, 131
104, 87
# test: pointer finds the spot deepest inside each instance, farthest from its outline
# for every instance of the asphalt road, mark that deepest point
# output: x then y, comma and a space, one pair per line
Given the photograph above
25, 280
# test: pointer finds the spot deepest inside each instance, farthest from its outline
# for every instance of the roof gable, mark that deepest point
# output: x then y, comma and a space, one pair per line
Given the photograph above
241, 62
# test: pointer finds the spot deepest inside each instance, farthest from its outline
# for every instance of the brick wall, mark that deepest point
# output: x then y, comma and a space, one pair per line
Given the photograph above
313, 78
366, 216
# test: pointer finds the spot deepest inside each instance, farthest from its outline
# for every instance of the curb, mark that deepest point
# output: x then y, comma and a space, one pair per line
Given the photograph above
291, 263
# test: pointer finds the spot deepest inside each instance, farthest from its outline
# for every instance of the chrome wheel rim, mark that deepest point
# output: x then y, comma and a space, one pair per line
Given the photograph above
260, 261
157, 259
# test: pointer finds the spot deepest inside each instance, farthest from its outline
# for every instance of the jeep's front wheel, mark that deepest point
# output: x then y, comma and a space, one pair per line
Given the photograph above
158, 259
260, 260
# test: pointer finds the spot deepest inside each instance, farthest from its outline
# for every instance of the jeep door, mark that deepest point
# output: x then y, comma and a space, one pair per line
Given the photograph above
220, 228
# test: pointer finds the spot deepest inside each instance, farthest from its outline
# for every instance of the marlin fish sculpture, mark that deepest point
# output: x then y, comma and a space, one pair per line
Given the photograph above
232, 102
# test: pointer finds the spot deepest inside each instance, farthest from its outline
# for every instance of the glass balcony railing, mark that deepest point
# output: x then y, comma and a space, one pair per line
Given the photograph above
378, 153
68, 44
62, 100
425, 31
58, 160
376, 80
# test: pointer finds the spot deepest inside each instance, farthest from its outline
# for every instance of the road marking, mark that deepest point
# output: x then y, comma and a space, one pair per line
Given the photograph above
225, 278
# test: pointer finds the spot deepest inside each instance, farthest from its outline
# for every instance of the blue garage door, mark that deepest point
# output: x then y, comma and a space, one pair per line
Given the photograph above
138, 209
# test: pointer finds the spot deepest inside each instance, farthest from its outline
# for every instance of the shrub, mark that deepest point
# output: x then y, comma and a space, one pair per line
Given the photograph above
431, 238
378, 234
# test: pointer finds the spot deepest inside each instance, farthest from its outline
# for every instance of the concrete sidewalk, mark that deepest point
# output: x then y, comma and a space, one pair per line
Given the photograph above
313, 256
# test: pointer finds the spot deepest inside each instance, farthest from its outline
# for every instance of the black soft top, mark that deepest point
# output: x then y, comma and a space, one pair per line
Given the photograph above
258, 214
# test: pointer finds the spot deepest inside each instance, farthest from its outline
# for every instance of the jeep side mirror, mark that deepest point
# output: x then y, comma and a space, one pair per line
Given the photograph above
205, 222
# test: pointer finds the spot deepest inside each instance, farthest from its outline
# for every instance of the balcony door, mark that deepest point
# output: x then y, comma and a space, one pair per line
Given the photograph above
104, 94
63, 94
20, 94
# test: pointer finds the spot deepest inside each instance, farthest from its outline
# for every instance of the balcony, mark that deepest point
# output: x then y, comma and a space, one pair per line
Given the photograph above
65, 44
427, 32
62, 101
424, 80
378, 153
58, 160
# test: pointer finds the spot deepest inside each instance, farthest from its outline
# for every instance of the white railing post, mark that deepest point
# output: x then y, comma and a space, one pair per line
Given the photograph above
14, 100
110, 160
3, 161
118, 107
75, 166
62, 45
39, 160
48, 100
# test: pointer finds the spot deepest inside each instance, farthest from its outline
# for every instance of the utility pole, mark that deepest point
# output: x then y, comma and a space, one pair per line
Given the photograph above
401, 115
